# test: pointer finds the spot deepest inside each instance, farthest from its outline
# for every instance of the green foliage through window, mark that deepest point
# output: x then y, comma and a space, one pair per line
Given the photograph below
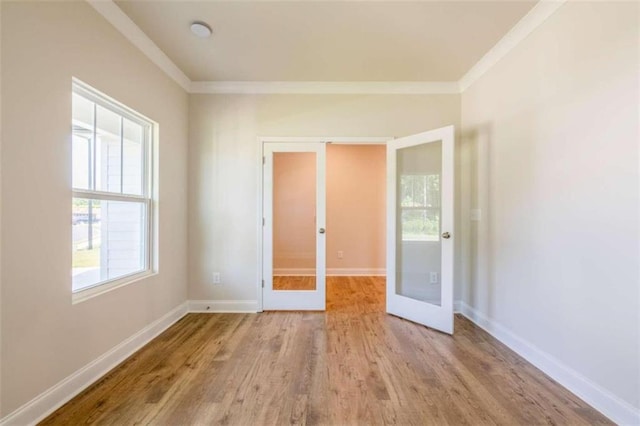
419, 197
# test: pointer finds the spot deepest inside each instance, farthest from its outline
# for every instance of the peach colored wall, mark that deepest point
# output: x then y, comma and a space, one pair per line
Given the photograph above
356, 190
294, 205
355, 208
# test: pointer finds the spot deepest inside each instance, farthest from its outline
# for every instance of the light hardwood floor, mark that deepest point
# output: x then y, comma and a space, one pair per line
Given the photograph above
294, 282
350, 365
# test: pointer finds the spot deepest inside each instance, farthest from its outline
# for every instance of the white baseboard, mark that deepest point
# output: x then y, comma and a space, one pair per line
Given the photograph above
223, 306
331, 272
356, 272
294, 272
457, 306
601, 399
53, 398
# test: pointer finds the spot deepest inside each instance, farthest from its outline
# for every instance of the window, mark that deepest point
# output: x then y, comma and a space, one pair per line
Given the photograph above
112, 187
420, 206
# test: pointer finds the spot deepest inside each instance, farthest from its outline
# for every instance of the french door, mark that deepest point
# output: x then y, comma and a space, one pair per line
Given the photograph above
420, 237
293, 267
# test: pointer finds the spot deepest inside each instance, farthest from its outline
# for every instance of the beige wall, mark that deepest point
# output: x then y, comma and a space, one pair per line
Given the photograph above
44, 337
224, 166
551, 143
356, 206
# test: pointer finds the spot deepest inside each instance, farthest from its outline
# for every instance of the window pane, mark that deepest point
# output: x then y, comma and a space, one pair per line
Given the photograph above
82, 134
82, 160
82, 112
412, 191
109, 240
133, 166
108, 151
420, 225
420, 203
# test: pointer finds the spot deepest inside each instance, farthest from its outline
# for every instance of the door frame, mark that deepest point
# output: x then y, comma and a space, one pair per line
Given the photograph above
260, 186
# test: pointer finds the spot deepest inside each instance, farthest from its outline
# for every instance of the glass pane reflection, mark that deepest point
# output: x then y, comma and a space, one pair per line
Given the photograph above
418, 247
294, 221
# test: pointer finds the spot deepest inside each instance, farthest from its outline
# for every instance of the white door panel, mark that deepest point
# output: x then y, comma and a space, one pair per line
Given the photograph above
420, 237
294, 221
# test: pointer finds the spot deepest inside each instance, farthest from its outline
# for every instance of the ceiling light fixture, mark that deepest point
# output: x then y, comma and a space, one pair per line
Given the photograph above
201, 29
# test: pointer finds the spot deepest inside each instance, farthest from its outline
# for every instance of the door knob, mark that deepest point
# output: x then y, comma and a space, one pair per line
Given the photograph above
321, 230
446, 235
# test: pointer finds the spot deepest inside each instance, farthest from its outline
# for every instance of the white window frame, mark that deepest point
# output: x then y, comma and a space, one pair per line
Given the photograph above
148, 190
424, 208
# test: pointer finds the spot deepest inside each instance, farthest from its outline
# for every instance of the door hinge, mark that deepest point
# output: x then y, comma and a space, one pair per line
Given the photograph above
263, 221
262, 283
263, 159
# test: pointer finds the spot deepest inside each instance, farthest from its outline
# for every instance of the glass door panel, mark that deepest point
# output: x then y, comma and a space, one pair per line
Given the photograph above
420, 228
293, 268
294, 221
418, 247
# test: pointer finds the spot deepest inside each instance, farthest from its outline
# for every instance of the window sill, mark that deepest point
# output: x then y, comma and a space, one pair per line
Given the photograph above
90, 293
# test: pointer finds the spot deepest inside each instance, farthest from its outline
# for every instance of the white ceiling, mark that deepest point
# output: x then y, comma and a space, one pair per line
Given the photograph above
326, 41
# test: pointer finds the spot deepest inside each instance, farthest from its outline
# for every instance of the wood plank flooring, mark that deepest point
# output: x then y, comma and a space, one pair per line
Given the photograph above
350, 365
294, 282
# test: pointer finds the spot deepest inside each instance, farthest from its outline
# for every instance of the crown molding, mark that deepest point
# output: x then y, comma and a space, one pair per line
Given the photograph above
116, 17
536, 16
532, 20
326, 87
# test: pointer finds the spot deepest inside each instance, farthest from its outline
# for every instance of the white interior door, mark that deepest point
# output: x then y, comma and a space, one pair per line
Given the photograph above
293, 227
420, 237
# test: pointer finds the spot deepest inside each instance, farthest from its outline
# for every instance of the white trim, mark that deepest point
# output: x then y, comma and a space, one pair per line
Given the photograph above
326, 87
50, 400
599, 398
457, 306
356, 272
295, 272
536, 16
331, 272
260, 228
337, 140
114, 15
532, 20
98, 97
103, 287
223, 306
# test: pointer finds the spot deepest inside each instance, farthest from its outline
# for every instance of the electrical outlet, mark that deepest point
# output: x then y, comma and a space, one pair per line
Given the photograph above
433, 277
216, 277
476, 215
340, 254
